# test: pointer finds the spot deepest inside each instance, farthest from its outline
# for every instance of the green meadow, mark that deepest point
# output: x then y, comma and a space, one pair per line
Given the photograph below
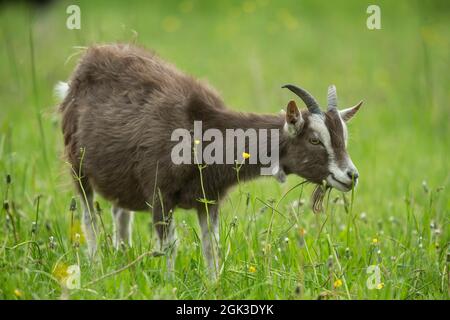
396, 223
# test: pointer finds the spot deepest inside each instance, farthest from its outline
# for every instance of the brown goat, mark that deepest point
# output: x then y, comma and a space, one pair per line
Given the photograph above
122, 105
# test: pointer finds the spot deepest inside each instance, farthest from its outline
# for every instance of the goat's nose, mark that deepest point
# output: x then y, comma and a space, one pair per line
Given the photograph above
353, 174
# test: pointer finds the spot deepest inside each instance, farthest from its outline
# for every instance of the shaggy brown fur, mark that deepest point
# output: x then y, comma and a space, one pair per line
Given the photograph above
118, 116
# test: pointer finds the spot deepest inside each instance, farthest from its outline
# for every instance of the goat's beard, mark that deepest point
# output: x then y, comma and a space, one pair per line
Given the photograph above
317, 197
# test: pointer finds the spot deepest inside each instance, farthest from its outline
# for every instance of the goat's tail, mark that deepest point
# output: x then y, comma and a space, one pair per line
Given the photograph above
69, 112
61, 90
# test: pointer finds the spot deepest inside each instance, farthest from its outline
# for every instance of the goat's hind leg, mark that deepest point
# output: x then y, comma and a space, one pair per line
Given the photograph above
209, 224
165, 229
123, 220
89, 218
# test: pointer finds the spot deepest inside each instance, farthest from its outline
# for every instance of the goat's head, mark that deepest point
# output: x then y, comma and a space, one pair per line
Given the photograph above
316, 148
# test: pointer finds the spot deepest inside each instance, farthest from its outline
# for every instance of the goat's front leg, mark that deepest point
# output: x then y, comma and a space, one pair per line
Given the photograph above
165, 229
209, 224
123, 220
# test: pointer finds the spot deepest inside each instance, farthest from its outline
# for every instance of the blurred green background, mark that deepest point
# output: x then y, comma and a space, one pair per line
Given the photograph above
248, 50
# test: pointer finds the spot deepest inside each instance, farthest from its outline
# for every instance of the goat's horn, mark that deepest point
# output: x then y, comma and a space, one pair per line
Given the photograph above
307, 98
332, 97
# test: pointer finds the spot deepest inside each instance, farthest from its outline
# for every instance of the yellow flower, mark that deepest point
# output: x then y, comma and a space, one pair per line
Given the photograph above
76, 229
301, 232
245, 155
337, 283
197, 142
380, 286
18, 293
252, 269
60, 271
375, 241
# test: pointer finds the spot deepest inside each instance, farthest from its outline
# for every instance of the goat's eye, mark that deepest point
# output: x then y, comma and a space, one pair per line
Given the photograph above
314, 141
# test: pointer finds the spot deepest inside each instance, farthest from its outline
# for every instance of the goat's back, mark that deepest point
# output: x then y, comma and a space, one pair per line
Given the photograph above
121, 109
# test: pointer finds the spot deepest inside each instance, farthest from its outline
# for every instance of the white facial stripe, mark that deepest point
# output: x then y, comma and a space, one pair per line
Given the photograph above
317, 123
337, 176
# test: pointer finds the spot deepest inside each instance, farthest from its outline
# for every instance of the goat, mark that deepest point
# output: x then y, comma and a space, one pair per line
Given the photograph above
119, 109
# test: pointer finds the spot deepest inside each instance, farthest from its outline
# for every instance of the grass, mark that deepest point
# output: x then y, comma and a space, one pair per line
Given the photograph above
272, 245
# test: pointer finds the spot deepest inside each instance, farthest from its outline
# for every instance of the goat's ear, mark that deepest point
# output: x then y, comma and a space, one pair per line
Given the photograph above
294, 120
348, 113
